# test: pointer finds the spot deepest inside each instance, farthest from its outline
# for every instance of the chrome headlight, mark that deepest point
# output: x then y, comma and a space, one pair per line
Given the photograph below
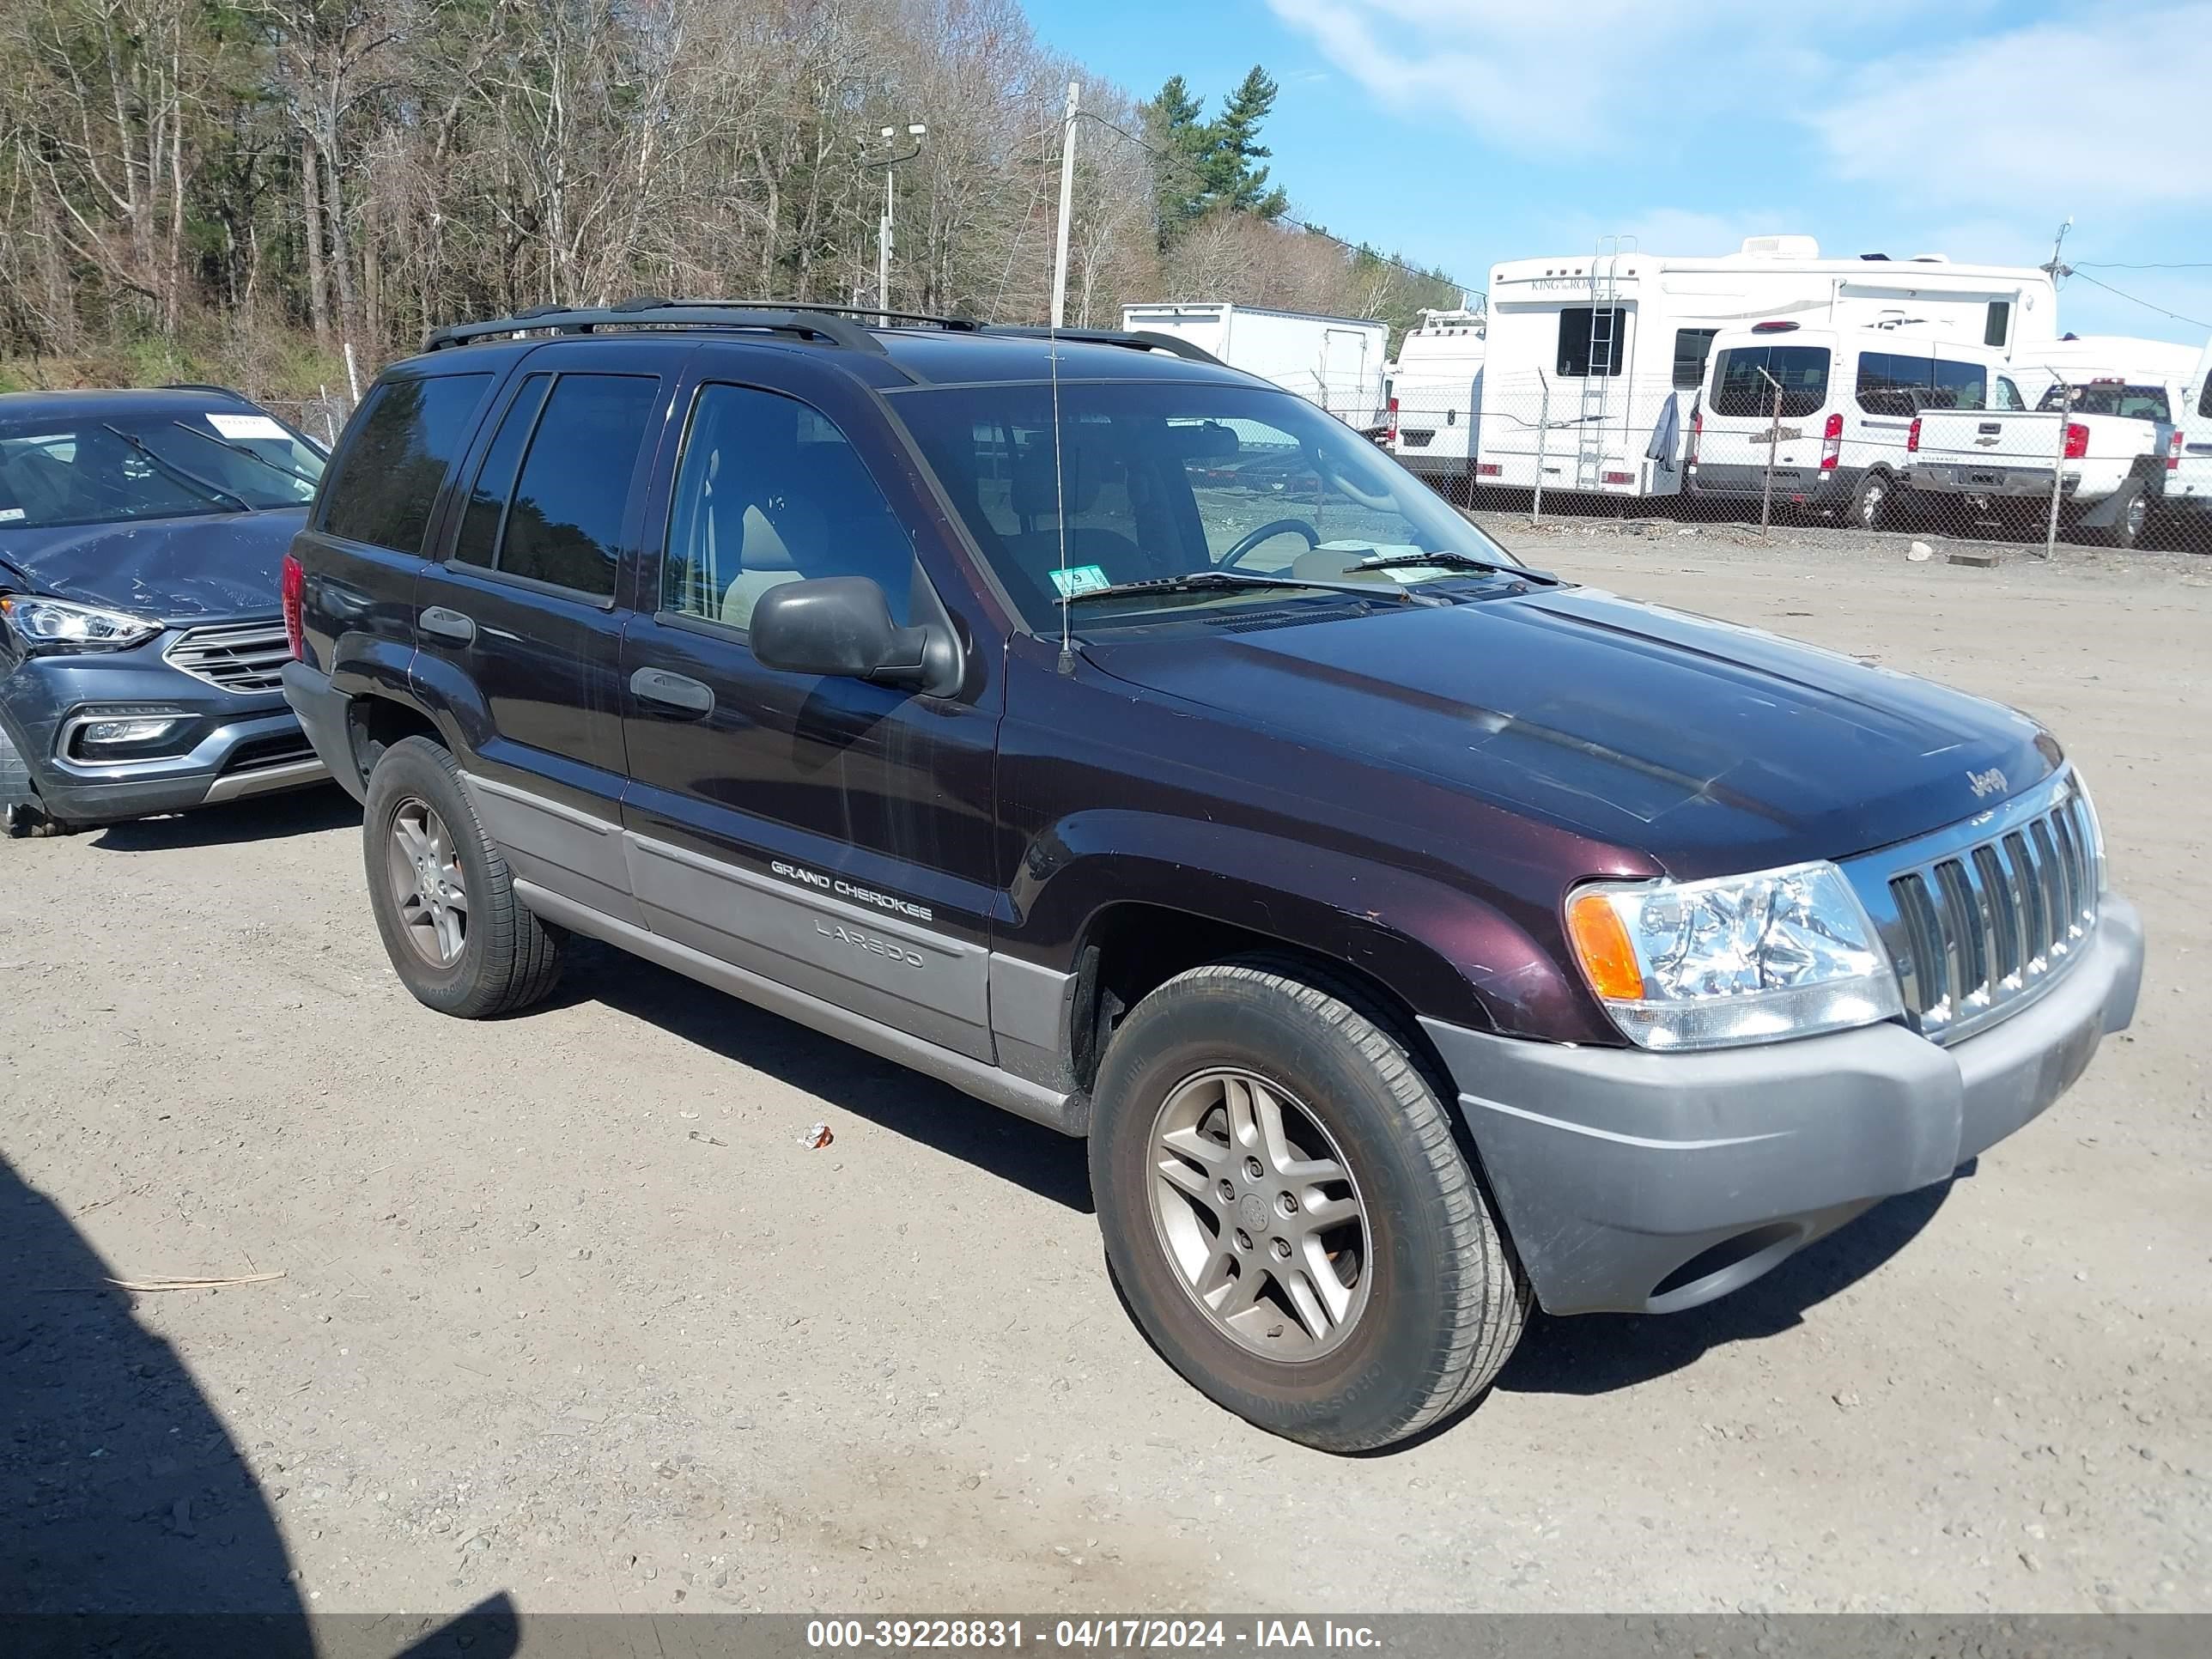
63, 625
1713, 965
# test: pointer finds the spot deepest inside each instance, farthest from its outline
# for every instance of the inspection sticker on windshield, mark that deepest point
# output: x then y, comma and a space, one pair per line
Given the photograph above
234, 426
10, 514
1083, 578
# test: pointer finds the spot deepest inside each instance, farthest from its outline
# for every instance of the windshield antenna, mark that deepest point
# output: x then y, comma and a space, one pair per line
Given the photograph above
1052, 345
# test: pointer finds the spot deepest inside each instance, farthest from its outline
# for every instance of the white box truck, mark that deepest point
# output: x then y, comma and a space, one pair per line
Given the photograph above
1333, 361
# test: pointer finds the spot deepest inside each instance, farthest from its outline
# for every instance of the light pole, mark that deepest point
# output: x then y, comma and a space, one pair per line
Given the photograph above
883, 225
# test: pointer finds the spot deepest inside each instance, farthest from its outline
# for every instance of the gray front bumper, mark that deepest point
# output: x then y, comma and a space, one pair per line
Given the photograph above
1619, 1168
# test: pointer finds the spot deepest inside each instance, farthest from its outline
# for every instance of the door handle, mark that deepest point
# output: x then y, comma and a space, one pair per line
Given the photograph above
449, 624
678, 692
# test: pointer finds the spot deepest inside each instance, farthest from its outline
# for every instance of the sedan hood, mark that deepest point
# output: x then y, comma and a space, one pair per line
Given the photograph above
209, 567
1713, 748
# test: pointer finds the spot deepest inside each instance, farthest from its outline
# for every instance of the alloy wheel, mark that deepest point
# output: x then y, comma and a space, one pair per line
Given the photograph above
1257, 1210
428, 886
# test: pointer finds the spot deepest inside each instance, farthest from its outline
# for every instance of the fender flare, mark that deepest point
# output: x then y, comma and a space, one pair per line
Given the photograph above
1448, 953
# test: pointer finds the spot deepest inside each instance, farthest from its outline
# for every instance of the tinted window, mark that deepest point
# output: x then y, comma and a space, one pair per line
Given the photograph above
564, 524
479, 537
1891, 383
395, 457
1999, 323
1959, 385
1744, 384
1590, 334
1691, 346
2204, 399
768, 491
2140, 403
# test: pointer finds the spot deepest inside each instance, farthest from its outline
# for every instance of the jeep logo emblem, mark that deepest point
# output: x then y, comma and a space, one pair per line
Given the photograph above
1985, 784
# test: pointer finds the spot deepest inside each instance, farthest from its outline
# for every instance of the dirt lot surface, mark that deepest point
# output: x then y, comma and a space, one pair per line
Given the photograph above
566, 1310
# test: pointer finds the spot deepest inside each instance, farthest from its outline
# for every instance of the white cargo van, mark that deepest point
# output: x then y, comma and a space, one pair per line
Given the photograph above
1594, 358
1436, 396
1333, 361
1849, 399
2188, 486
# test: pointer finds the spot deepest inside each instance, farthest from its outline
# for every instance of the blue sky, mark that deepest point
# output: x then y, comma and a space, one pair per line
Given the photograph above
1460, 132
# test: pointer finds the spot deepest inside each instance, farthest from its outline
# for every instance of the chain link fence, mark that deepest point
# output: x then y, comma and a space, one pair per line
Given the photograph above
2030, 460
322, 418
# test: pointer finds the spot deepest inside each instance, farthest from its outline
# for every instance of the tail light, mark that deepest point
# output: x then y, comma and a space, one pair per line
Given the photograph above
2173, 447
294, 584
1831, 442
1912, 437
1489, 470
1391, 436
2077, 441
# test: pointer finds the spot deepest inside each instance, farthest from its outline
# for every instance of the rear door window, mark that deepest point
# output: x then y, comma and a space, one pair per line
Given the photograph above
560, 520
391, 468
1894, 383
1742, 387
1590, 339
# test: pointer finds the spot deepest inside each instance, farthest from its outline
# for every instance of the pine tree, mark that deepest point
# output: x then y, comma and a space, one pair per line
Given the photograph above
1181, 142
1233, 145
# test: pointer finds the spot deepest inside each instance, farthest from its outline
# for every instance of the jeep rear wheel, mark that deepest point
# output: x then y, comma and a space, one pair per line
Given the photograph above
445, 904
1289, 1214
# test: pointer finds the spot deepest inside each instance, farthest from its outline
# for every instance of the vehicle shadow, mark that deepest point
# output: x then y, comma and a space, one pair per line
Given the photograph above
129, 1523
847, 1078
120, 1490
271, 818
1596, 1354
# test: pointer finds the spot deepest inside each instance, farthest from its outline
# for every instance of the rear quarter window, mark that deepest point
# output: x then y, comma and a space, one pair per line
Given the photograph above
395, 457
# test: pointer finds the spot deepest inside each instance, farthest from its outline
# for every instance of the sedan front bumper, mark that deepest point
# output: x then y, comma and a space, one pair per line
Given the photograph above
1644, 1182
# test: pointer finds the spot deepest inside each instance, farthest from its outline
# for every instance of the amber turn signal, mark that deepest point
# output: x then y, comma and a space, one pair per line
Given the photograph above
1601, 945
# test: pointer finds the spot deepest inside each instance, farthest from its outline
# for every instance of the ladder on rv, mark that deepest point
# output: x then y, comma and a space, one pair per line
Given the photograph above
1605, 341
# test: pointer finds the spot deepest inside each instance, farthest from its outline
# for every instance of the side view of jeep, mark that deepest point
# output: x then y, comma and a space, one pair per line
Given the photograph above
1417, 937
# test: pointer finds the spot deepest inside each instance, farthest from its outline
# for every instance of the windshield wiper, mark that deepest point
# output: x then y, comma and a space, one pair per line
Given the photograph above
241, 449
1199, 581
214, 493
1455, 562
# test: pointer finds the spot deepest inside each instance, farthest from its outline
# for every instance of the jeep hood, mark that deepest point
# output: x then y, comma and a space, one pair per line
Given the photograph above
1713, 748
208, 567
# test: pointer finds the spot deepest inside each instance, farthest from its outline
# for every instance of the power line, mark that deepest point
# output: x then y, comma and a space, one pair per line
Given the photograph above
2113, 264
1311, 230
2194, 322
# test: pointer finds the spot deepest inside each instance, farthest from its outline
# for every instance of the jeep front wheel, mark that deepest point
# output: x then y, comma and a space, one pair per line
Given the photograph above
1289, 1214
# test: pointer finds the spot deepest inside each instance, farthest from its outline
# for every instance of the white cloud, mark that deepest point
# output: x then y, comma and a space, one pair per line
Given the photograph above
2083, 116
1574, 81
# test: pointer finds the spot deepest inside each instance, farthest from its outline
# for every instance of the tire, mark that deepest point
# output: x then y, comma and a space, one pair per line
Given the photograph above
2130, 512
22, 814
503, 958
1871, 500
1434, 1299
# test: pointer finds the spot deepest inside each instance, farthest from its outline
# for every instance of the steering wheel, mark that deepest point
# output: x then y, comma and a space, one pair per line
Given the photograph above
1268, 532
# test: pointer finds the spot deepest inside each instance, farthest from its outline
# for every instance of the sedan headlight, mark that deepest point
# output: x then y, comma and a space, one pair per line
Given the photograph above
1712, 964
63, 625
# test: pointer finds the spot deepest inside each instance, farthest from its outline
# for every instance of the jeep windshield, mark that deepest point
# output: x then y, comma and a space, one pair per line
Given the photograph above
1167, 481
103, 466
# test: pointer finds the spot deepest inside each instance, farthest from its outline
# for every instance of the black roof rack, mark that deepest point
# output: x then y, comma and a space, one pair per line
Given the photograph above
231, 391
1138, 339
804, 322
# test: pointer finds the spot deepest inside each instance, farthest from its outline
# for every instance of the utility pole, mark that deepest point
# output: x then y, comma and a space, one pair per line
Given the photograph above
883, 225
1067, 206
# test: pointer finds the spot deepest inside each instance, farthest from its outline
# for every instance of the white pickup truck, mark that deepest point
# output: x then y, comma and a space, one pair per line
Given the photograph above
2117, 444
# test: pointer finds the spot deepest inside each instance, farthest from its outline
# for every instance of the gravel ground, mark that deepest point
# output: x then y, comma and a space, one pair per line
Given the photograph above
567, 1311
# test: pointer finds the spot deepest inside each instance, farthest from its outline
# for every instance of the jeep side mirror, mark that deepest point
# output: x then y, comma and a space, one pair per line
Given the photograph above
842, 625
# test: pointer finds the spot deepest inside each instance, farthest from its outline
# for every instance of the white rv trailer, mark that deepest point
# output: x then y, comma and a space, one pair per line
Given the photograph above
1595, 359
1333, 361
